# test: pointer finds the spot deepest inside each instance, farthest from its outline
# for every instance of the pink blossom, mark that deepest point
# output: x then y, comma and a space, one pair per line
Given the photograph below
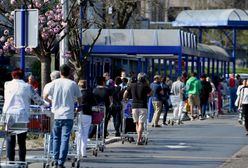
6, 32
1, 51
50, 17
37, 4
5, 48
64, 24
56, 30
12, 2
2, 39
44, 36
11, 18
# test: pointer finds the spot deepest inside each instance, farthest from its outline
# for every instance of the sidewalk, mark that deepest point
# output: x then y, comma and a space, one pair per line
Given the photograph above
238, 160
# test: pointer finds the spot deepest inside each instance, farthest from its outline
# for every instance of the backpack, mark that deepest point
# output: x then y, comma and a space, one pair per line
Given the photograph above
232, 82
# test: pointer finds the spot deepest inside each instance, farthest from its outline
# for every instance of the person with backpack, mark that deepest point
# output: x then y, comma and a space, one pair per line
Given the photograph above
233, 85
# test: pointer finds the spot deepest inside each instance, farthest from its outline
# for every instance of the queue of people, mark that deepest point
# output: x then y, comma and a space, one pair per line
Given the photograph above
62, 93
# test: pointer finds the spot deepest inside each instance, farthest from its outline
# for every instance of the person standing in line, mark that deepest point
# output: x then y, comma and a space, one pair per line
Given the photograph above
233, 85
165, 99
139, 92
88, 101
17, 98
33, 83
103, 95
54, 75
64, 92
156, 100
238, 92
193, 88
116, 108
211, 98
178, 89
204, 95
244, 104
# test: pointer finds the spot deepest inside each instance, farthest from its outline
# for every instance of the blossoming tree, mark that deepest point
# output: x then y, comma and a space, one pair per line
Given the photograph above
51, 24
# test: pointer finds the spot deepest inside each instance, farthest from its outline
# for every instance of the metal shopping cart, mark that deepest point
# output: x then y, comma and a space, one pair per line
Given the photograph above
129, 127
11, 124
97, 142
40, 124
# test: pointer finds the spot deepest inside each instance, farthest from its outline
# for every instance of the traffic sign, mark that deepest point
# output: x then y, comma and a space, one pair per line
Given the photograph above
31, 28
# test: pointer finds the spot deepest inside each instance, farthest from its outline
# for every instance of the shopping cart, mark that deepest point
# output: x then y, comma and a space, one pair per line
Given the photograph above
98, 121
129, 127
40, 124
11, 124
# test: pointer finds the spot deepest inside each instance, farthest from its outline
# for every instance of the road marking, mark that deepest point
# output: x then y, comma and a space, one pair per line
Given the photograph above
179, 146
191, 157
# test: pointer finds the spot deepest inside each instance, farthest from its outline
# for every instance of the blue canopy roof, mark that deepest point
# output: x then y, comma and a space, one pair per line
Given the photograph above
228, 18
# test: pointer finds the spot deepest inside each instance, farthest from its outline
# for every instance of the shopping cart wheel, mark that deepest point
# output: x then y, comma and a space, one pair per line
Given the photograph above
146, 141
130, 139
45, 165
78, 164
101, 148
95, 152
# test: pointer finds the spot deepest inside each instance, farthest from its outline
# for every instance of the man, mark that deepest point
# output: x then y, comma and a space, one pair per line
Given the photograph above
54, 75
103, 96
156, 99
204, 95
178, 89
233, 85
139, 92
64, 92
193, 87
17, 96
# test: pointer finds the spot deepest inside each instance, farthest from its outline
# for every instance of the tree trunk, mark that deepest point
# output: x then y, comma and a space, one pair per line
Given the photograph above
45, 70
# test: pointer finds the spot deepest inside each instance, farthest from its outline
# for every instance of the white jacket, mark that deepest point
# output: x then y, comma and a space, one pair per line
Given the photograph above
17, 99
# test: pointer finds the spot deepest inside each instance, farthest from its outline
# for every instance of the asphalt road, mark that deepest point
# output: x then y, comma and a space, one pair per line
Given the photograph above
195, 144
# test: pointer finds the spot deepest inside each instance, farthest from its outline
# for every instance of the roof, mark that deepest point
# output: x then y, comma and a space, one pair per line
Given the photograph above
228, 18
149, 43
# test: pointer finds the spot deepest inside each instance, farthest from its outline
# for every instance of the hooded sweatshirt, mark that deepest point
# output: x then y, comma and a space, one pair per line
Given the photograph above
193, 86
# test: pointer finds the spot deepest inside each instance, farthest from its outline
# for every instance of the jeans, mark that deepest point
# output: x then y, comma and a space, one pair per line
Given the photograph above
204, 106
233, 96
11, 143
117, 121
166, 109
62, 131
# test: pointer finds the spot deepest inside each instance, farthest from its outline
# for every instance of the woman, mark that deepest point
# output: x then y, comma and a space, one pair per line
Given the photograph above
244, 104
86, 115
17, 98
